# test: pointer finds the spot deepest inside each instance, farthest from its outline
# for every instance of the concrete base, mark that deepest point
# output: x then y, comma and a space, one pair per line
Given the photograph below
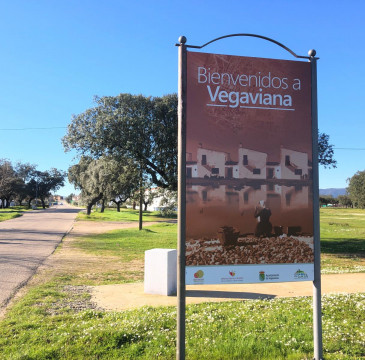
160, 272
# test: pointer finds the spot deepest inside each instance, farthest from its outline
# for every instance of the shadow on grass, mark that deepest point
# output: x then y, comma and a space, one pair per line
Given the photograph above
228, 294
150, 231
343, 246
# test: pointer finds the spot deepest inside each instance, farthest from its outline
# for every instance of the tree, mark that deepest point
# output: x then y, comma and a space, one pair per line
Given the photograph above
168, 202
149, 194
102, 179
142, 129
325, 151
325, 200
123, 179
356, 189
9, 182
344, 200
68, 198
86, 176
46, 181
24, 172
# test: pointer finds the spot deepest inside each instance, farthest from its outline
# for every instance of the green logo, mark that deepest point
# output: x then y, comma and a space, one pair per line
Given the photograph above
262, 275
300, 274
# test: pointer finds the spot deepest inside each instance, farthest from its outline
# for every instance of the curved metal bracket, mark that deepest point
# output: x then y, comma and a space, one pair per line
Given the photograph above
251, 35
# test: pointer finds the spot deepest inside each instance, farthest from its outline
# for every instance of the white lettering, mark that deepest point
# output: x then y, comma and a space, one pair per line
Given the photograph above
201, 73
213, 97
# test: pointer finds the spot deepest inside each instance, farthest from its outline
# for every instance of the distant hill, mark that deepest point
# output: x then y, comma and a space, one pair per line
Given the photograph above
332, 191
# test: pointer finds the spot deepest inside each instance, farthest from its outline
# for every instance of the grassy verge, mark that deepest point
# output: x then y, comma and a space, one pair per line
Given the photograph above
130, 244
125, 215
342, 240
11, 213
53, 321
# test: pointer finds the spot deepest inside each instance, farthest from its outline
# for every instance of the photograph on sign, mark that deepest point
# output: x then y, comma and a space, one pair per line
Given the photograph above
249, 208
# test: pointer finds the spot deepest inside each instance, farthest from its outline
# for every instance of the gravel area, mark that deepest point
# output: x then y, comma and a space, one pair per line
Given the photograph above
251, 250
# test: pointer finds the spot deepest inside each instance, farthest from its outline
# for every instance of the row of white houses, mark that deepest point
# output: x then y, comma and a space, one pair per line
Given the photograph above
293, 165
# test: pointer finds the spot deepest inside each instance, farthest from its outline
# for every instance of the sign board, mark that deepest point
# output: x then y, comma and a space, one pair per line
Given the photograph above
249, 202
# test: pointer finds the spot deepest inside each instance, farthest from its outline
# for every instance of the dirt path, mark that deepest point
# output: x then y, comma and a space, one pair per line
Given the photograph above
129, 296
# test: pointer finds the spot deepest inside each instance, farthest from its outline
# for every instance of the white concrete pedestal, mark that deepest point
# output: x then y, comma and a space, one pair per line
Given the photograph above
160, 272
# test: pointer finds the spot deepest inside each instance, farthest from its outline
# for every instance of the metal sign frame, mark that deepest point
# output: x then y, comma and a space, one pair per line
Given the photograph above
181, 284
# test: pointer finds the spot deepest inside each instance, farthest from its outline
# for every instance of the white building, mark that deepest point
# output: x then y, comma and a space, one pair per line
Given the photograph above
191, 166
273, 170
251, 164
294, 165
212, 163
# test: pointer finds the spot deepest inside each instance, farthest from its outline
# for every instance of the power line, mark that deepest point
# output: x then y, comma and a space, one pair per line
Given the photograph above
65, 127
353, 149
35, 128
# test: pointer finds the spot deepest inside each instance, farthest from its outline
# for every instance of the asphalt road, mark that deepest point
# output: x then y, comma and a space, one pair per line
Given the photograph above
25, 243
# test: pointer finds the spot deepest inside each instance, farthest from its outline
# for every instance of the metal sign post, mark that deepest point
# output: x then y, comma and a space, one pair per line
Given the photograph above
180, 345
317, 311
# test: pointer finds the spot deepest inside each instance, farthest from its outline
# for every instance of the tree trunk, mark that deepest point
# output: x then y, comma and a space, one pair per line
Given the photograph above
134, 205
145, 206
88, 209
140, 212
102, 206
118, 206
92, 202
29, 201
140, 200
43, 203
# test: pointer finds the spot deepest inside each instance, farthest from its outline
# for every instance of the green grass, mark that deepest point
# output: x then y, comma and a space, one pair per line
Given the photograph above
130, 244
50, 323
11, 213
342, 240
125, 215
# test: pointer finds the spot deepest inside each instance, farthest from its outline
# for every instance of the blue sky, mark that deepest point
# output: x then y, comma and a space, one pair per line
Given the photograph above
56, 55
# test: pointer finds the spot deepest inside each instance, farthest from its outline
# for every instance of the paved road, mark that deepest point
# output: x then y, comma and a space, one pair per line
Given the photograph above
25, 242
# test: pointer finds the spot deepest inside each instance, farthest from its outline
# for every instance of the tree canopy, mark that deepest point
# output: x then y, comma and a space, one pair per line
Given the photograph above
356, 189
325, 151
24, 181
106, 178
142, 129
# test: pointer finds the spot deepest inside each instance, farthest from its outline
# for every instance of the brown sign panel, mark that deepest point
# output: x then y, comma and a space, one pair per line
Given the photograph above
249, 214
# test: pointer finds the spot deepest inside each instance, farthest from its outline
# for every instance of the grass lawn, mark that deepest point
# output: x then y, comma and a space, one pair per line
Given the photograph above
11, 213
130, 244
49, 323
56, 320
125, 215
342, 240
342, 237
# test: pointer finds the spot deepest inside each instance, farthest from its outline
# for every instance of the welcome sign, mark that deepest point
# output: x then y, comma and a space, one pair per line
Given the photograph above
249, 206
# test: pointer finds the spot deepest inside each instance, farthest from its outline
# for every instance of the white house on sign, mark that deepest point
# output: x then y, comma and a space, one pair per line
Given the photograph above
294, 164
251, 164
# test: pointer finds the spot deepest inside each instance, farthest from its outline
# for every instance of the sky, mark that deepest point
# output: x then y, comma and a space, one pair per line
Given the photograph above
57, 55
